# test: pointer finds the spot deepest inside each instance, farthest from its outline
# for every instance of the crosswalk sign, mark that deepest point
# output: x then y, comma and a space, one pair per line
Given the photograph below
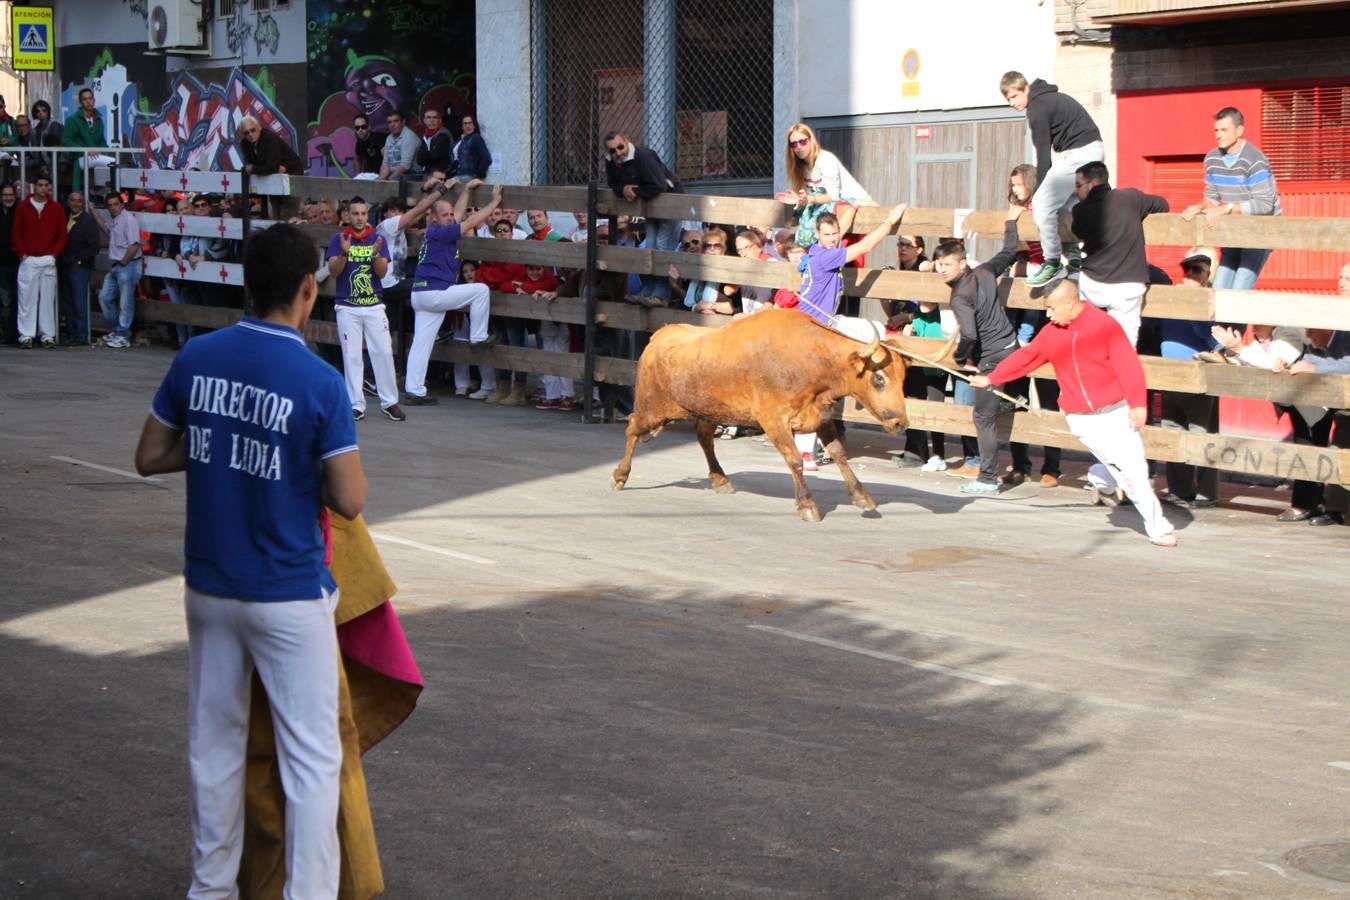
34, 28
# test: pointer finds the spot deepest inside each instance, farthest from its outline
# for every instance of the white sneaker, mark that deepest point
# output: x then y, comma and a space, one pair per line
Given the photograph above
809, 462
934, 464
479, 394
461, 392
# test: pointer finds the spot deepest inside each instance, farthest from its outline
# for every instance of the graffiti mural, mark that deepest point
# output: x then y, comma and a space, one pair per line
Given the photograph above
117, 75
373, 57
196, 127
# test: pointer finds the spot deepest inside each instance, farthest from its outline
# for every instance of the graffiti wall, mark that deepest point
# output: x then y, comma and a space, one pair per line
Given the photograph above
196, 126
373, 57
186, 119
122, 78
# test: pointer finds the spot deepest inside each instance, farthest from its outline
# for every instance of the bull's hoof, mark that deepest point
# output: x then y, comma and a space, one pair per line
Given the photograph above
872, 513
809, 513
617, 484
723, 486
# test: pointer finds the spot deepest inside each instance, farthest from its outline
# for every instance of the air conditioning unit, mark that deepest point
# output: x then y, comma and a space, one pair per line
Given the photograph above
174, 23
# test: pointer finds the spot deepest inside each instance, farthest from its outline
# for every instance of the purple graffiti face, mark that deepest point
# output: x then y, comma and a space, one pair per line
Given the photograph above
376, 88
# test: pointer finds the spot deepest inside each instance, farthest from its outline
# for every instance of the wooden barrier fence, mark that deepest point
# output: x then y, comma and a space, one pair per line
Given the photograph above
1227, 452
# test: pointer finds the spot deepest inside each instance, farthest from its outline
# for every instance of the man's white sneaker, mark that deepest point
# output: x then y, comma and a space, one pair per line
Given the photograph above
809, 462
934, 464
479, 394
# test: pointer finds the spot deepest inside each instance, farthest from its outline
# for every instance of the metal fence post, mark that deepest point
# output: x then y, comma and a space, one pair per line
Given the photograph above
592, 270
246, 215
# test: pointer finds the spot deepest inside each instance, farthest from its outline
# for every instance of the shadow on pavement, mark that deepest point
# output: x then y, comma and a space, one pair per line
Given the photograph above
587, 743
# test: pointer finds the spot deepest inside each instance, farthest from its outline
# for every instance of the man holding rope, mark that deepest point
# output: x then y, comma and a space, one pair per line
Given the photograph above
987, 335
1102, 394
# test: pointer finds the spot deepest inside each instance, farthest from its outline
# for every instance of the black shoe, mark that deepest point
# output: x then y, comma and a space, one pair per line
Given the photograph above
358, 415
369, 388
1328, 518
1178, 500
492, 341
395, 412
1202, 503
424, 400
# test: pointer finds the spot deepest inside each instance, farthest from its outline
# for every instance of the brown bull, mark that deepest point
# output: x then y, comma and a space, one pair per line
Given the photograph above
778, 369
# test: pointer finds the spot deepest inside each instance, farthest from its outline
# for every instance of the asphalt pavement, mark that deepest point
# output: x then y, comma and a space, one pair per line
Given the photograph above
668, 692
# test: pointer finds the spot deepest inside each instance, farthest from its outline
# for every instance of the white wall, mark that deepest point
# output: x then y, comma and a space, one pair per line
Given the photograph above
503, 63
850, 61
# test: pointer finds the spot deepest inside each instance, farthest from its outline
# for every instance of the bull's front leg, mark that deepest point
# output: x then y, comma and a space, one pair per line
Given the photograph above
720, 483
829, 436
780, 433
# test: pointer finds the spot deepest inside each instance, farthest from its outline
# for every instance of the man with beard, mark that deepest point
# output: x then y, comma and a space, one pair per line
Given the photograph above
358, 259
987, 335
400, 148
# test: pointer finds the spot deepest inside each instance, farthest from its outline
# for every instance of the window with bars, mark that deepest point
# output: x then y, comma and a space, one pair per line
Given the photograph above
1305, 133
224, 8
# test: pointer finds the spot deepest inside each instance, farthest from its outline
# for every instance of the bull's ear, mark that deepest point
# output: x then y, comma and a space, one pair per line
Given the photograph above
859, 360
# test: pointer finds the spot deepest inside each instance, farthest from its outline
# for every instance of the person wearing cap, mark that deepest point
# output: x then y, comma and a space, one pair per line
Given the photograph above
1194, 487
1105, 401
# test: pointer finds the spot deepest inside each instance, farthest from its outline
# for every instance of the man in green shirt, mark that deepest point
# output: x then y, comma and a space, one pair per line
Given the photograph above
84, 128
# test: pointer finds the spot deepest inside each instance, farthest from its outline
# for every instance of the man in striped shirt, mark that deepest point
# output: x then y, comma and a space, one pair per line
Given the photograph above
1238, 182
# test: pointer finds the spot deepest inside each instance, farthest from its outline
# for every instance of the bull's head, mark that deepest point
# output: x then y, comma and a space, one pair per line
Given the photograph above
879, 382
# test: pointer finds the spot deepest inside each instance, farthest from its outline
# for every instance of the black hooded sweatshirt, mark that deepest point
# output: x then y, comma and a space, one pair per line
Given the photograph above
1057, 121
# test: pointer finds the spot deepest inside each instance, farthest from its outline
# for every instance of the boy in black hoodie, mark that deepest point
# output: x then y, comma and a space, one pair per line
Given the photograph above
1058, 122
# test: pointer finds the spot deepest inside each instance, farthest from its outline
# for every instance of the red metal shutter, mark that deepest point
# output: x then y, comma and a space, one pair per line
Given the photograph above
1306, 136
1180, 180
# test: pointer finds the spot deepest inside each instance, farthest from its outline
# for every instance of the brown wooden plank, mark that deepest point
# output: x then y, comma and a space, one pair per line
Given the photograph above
1227, 452
527, 359
531, 253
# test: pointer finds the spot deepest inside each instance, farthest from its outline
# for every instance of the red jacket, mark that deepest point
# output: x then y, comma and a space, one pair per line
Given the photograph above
39, 235
1094, 363
500, 276
547, 282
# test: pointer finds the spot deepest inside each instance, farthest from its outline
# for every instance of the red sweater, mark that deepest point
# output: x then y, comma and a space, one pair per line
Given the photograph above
1094, 363
547, 282
500, 276
39, 235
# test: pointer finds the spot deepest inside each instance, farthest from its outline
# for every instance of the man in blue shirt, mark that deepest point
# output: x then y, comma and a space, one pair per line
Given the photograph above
823, 285
434, 290
358, 259
263, 430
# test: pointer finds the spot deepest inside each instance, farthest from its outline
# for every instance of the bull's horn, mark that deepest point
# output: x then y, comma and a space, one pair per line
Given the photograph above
874, 351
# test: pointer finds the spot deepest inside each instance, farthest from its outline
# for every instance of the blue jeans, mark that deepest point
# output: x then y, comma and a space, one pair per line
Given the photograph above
118, 296
176, 296
1238, 268
662, 234
75, 302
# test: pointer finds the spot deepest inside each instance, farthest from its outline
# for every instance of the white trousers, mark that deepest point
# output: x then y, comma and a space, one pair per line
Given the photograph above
1107, 433
556, 337
1055, 194
37, 297
487, 376
1123, 302
429, 308
370, 323
294, 647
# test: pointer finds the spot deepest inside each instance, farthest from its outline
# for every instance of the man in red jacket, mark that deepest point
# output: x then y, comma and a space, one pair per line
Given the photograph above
1102, 394
38, 239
